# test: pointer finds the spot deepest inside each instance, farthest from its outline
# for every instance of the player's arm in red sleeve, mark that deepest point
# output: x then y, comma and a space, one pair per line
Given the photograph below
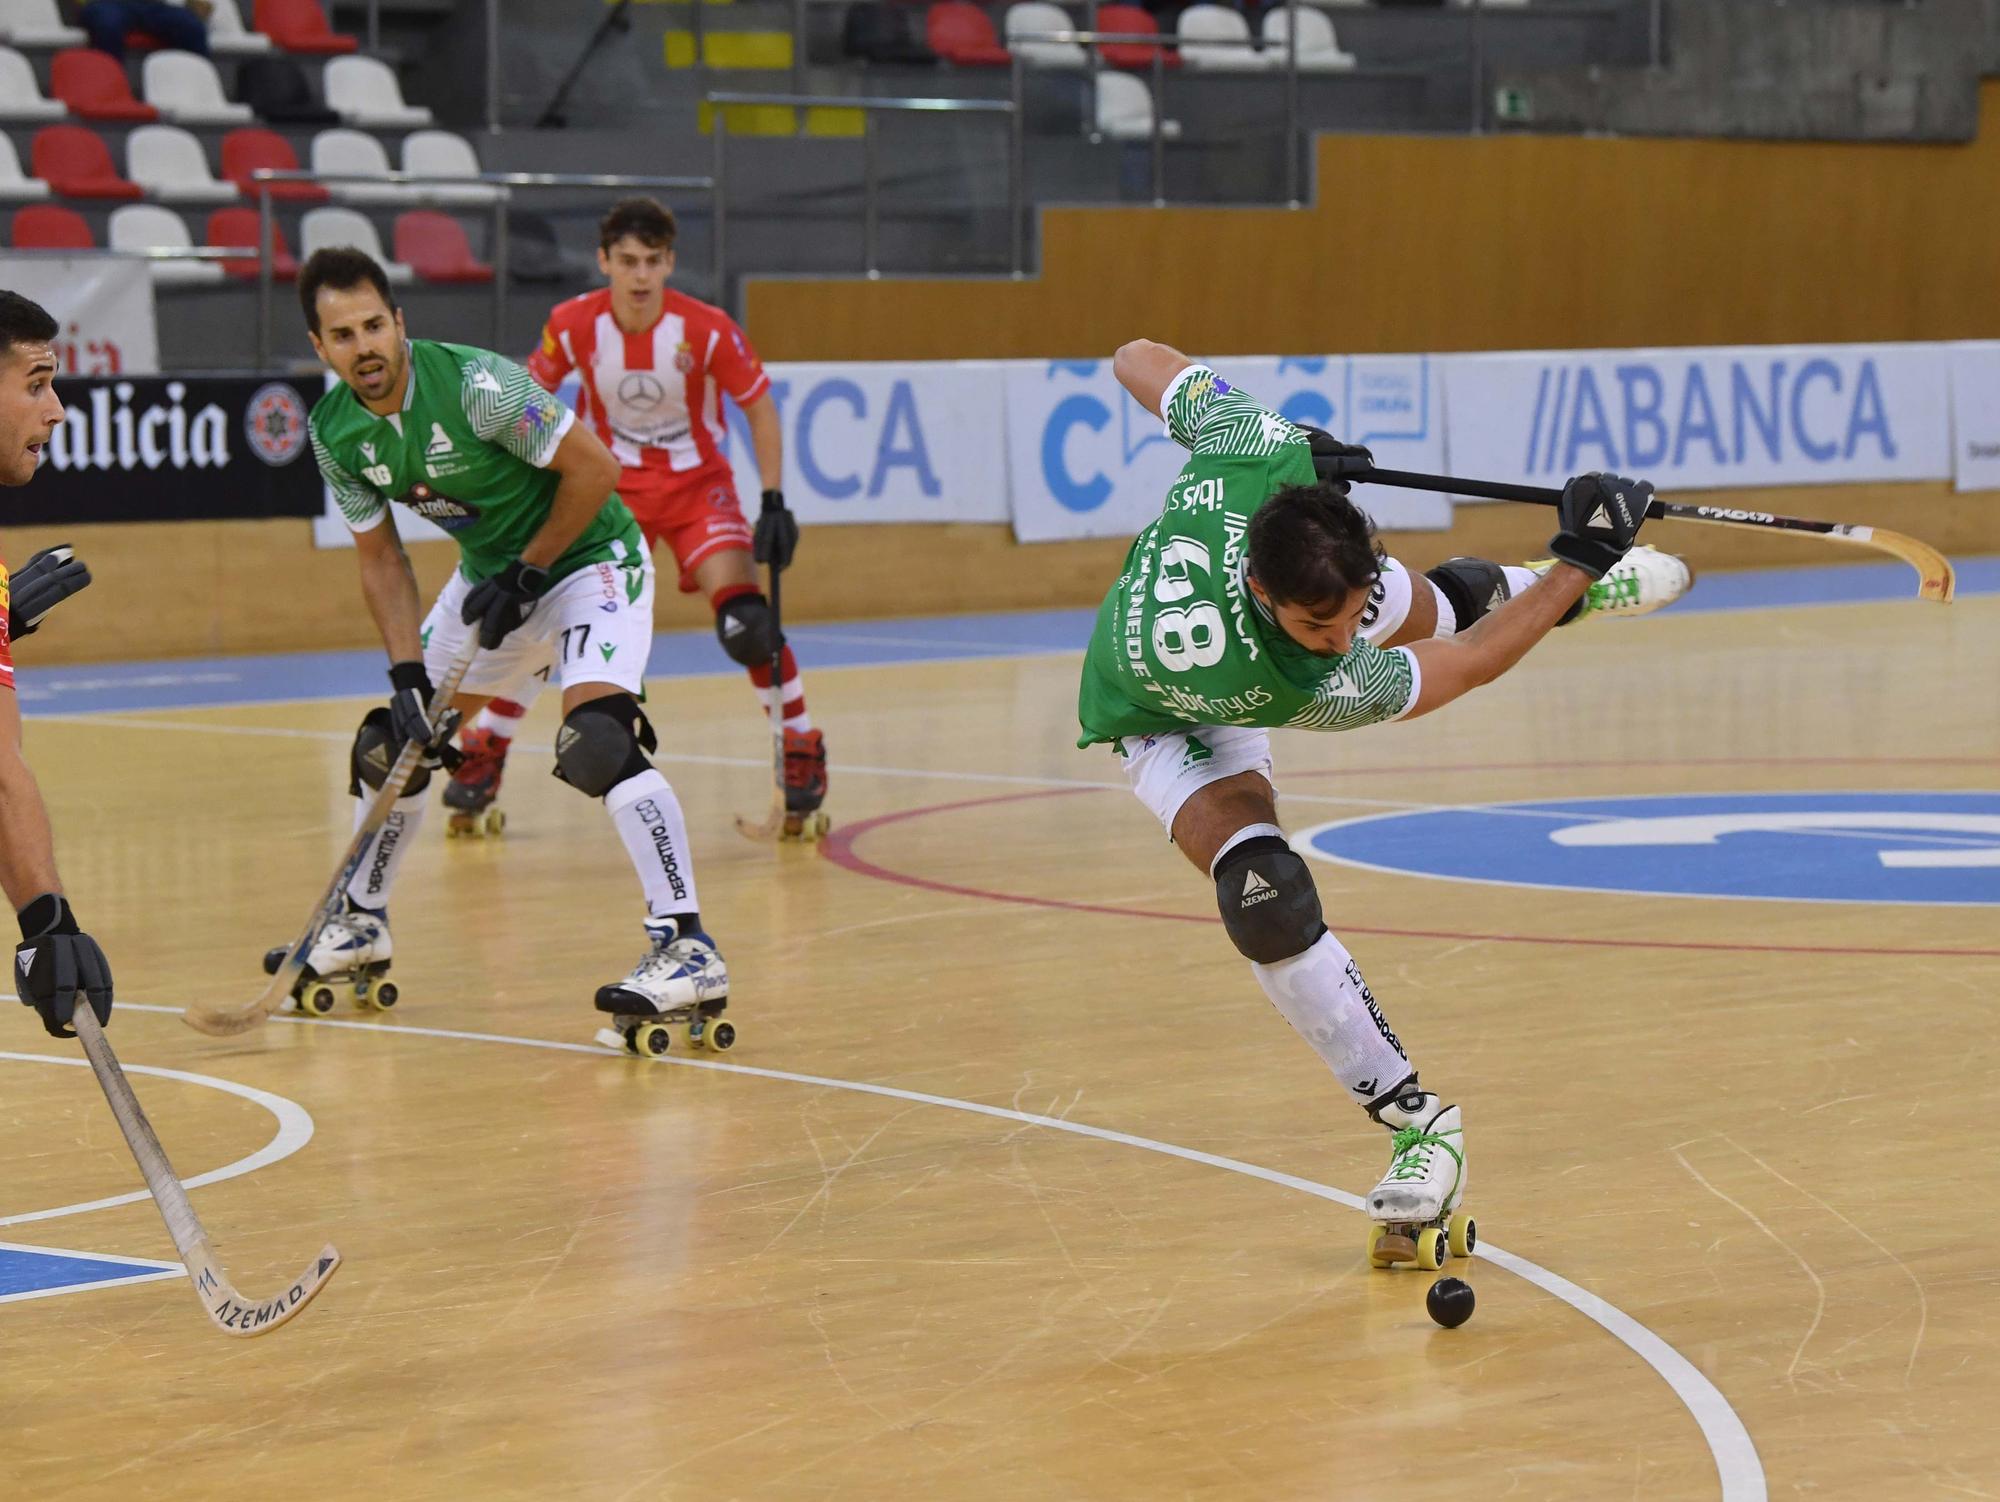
733, 365
550, 362
27, 847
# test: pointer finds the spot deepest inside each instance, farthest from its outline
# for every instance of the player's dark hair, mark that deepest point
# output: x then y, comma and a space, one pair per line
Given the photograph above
647, 220
343, 268
23, 322
1310, 546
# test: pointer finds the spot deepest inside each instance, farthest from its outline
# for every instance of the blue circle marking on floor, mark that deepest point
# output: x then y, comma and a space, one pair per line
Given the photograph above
1886, 847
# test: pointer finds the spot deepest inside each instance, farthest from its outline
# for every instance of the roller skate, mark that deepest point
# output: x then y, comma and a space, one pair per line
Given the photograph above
474, 786
350, 952
805, 786
1643, 581
680, 979
1416, 1206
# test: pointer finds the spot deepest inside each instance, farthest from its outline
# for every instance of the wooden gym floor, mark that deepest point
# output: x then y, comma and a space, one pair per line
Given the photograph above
1015, 1186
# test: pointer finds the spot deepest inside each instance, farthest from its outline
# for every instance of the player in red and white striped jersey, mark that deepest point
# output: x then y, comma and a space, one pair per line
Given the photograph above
654, 365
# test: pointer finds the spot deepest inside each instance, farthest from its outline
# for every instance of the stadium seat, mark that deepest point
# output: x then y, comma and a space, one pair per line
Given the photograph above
186, 89
364, 92
1209, 38
534, 252
961, 33
228, 36
20, 95
889, 33
435, 247
147, 226
276, 88
441, 153
170, 165
300, 26
1319, 49
93, 85
73, 160
36, 23
229, 228
349, 153
1038, 15
246, 151
16, 185
50, 226
336, 226
1129, 20
1125, 110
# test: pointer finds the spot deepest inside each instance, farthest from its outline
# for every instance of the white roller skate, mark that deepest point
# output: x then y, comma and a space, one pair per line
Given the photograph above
352, 952
1643, 581
681, 978
1416, 1206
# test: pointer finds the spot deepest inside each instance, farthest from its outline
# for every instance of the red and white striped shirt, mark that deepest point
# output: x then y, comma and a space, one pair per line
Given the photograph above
653, 397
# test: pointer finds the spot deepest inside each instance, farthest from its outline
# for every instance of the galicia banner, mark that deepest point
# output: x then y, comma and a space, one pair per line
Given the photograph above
103, 302
189, 448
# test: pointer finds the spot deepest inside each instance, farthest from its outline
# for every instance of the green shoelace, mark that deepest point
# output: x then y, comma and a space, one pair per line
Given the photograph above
1406, 1161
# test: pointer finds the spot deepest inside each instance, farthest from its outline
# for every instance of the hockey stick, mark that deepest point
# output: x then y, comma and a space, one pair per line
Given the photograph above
1936, 580
230, 1311
772, 826
221, 1021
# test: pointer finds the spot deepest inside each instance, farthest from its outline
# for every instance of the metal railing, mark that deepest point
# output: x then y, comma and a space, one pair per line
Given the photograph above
451, 192
870, 107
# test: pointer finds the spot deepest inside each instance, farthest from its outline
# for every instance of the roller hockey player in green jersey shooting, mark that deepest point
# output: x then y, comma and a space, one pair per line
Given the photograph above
1260, 599
553, 577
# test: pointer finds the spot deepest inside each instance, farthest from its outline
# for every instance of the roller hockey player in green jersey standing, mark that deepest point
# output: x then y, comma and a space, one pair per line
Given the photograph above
1260, 599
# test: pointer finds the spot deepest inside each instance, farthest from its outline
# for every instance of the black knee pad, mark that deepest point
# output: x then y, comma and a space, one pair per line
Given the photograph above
375, 752
602, 742
1268, 901
747, 631
1473, 587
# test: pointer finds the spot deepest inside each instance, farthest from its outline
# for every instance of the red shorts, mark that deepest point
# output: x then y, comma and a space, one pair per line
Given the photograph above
696, 518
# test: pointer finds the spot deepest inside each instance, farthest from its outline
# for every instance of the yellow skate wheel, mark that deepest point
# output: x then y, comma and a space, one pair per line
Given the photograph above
1433, 1250
318, 1000
1375, 1235
648, 1040
1463, 1233
384, 996
719, 1035
496, 820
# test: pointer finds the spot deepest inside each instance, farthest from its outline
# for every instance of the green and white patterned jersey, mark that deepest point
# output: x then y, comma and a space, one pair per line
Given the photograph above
1180, 640
466, 451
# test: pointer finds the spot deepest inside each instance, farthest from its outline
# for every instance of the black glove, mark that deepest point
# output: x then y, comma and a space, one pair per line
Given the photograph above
777, 536
41, 584
1333, 460
501, 603
1599, 516
54, 960
409, 712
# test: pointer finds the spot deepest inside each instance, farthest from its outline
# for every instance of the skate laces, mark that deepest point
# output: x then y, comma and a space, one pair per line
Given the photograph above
1410, 1153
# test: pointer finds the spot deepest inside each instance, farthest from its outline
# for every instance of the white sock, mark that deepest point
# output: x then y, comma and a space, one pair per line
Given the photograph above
504, 725
1322, 994
1518, 578
649, 821
369, 886
1447, 621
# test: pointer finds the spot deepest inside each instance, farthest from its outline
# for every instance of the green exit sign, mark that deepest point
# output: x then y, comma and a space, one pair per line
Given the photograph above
1513, 104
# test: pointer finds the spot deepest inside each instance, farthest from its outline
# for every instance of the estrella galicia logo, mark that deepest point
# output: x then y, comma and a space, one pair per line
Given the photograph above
275, 423
453, 516
1928, 848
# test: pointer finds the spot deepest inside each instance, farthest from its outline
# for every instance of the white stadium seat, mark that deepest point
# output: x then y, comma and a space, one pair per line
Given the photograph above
15, 185
20, 95
441, 153
228, 35
36, 23
350, 153
1214, 40
363, 91
146, 226
1319, 49
1125, 110
186, 89
323, 227
169, 164
1038, 15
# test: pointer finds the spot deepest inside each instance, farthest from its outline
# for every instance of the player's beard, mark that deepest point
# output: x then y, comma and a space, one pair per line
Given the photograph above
367, 373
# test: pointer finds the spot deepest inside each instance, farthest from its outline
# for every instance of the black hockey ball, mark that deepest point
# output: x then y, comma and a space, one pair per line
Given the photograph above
1450, 1302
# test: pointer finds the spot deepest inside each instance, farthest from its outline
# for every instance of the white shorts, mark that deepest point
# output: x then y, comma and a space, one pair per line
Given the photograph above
595, 626
1166, 770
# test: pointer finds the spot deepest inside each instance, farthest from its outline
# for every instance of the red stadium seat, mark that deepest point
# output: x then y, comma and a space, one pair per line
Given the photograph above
962, 33
300, 26
93, 86
435, 245
74, 161
229, 228
1129, 20
50, 226
245, 151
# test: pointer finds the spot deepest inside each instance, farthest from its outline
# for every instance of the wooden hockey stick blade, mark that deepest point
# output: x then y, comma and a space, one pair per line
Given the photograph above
766, 829
229, 1311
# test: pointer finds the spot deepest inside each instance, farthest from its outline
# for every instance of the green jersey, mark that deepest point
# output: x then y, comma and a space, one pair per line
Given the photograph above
466, 451
1180, 640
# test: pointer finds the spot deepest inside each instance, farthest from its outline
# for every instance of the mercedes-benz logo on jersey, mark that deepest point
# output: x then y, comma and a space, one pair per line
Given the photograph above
442, 509
641, 389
